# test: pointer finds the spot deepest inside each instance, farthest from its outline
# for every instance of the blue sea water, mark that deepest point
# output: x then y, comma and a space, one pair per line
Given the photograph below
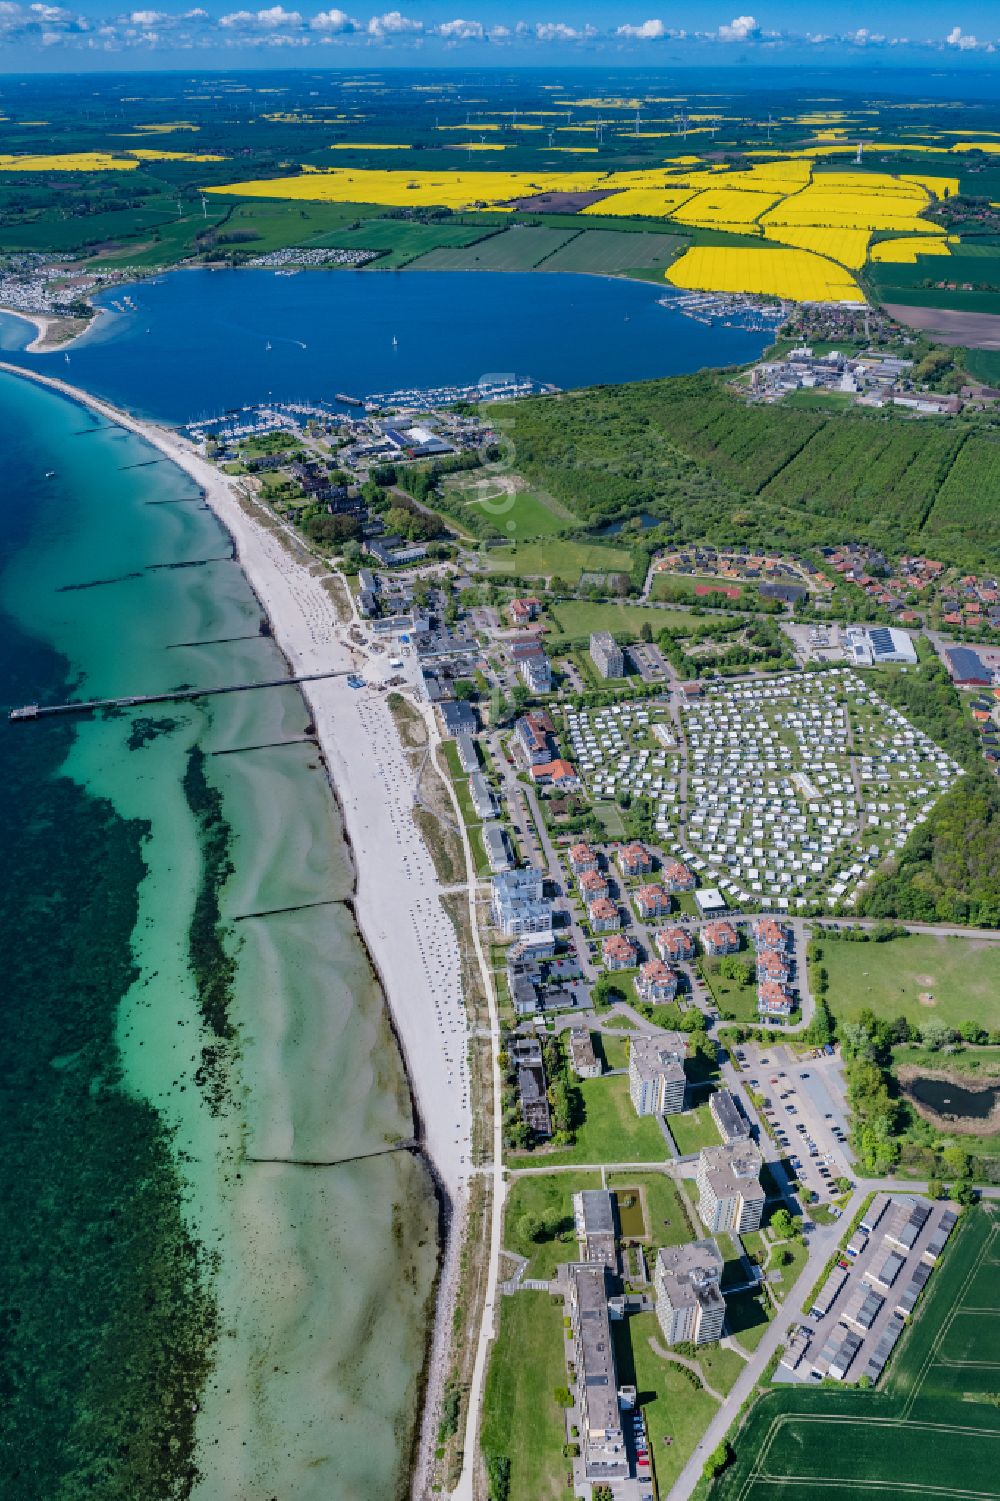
170, 1303
200, 341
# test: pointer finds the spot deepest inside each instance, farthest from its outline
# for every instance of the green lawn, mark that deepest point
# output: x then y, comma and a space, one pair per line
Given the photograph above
667, 1221
720, 1366
673, 1408
961, 974
611, 1131
560, 558
577, 618
735, 1002
521, 1418
614, 1050
694, 1129
518, 516
747, 1317
978, 1063
550, 1197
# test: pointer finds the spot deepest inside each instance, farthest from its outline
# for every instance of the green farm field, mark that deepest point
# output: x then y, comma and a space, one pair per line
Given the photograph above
609, 252
578, 618
521, 517
889, 978
515, 249
931, 1430
560, 558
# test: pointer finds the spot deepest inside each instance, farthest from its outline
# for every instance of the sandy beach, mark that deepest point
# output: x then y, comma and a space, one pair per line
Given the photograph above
397, 904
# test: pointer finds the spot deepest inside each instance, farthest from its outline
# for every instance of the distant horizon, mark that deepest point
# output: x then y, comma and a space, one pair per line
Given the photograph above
92, 35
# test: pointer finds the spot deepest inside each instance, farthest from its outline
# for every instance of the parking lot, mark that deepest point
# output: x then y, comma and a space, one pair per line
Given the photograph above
861, 1309
805, 1110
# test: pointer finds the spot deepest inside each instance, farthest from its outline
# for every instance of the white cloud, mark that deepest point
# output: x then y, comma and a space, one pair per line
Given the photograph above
393, 23
645, 31
461, 31
558, 31
740, 29
272, 19
333, 22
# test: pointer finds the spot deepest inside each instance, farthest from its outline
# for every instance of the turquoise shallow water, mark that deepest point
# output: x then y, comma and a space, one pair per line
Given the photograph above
193, 1310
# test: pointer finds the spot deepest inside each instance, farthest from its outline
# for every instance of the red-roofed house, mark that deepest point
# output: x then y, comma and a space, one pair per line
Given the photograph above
720, 938
652, 901
674, 944
592, 885
768, 934
773, 999
772, 966
581, 858
677, 877
634, 859
533, 733
558, 773
656, 981
618, 952
603, 915
523, 611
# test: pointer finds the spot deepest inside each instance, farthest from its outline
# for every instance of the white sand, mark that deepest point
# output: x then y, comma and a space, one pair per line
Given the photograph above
398, 908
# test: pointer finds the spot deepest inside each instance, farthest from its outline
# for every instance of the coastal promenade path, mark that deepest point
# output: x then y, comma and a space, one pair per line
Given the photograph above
465, 1489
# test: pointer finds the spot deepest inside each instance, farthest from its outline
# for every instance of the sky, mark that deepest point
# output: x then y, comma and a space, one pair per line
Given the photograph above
39, 36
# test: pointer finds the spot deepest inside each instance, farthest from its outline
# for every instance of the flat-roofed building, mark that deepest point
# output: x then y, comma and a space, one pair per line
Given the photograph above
726, 1112
586, 1064
656, 1077
729, 1188
689, 1304
602, 1440
883, 1273
526, 1053
872, 1216
594, 1217
606, 655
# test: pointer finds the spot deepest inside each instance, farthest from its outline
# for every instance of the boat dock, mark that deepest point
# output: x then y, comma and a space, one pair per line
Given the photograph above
86, 706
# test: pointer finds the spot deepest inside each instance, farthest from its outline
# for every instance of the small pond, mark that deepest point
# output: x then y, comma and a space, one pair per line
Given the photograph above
946, 1098
631, 1219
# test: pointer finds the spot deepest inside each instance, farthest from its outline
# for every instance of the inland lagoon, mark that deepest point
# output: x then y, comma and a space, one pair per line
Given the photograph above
192, 343
221, 1235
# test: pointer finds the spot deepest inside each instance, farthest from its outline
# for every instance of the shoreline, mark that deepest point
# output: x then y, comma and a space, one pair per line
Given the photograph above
43, 323
393, 871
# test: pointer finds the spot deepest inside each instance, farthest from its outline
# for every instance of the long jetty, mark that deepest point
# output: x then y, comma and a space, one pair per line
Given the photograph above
85, 706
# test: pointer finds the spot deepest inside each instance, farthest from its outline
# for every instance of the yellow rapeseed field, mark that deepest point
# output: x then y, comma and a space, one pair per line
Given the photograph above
71, 161
846, 246
904, 252
147, 154
721, 206
795, 274
455, 189
648, 203
938, 187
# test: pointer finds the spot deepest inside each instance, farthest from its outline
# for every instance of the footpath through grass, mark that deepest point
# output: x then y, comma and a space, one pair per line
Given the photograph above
934, 1427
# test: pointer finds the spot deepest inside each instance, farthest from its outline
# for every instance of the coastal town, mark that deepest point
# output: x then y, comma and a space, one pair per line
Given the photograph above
653, 862
501, 586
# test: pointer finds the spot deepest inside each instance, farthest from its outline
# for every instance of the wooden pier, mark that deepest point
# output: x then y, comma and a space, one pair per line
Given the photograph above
86, 706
